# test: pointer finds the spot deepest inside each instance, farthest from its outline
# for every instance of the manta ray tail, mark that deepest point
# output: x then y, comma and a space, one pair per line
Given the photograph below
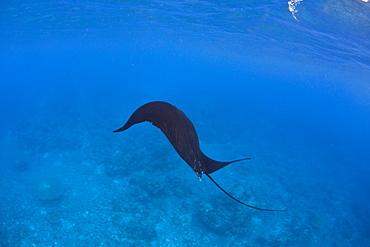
262, 209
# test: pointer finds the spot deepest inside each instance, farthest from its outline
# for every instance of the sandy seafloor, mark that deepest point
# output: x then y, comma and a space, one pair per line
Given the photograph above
302, 117
142, 194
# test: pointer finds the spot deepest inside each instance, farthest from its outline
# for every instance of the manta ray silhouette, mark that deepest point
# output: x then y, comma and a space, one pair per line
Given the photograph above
180, 131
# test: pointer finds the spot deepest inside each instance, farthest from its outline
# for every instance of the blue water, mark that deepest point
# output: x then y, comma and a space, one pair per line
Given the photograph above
290, 90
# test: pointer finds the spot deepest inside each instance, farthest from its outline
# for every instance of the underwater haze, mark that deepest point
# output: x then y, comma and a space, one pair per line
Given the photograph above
286, 83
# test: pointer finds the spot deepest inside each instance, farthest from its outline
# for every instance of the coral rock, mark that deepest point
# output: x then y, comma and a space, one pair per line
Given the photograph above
49, 189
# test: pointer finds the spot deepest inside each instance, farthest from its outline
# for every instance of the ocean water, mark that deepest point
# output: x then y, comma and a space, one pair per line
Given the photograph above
285, 83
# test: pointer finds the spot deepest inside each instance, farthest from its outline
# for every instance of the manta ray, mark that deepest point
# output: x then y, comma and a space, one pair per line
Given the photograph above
181, 133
